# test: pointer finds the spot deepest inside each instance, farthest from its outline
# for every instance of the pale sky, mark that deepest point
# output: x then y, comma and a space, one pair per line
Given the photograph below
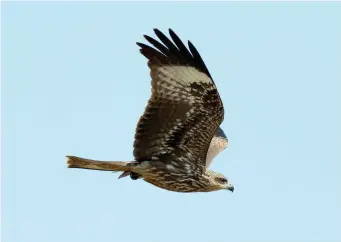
74, 83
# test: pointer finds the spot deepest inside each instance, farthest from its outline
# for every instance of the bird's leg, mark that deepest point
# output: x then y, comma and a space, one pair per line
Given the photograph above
124, 174
135, 176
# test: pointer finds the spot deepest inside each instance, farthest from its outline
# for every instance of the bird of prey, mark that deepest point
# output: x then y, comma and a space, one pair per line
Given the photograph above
178, 134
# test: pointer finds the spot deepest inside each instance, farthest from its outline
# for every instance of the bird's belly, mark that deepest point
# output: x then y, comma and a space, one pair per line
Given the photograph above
176, 183
175, 187
172, 177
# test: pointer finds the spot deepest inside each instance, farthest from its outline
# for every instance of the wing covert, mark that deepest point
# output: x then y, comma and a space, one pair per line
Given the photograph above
184, 110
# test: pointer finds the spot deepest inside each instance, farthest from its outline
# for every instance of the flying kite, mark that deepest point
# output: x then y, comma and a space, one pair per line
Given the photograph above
178, 135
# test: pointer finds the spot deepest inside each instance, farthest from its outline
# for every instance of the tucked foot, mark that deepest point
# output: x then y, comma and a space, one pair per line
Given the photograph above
124, 174
134, 176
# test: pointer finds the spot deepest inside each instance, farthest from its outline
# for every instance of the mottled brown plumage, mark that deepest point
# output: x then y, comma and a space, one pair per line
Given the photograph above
179, 125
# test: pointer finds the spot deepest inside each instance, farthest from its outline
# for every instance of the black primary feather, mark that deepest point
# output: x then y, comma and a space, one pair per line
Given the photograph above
176, 53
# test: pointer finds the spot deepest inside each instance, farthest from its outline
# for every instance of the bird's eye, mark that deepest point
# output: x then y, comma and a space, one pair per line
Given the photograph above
222, 180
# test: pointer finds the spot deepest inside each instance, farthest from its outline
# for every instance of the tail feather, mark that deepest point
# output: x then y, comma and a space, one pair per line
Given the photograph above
77, 162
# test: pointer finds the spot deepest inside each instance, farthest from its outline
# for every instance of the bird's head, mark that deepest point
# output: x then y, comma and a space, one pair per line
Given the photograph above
217, 181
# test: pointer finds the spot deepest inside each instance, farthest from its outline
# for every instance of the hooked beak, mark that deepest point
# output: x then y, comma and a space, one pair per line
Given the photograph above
230, 187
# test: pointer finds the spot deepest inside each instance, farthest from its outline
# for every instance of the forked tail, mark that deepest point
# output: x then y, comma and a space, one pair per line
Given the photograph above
77, 162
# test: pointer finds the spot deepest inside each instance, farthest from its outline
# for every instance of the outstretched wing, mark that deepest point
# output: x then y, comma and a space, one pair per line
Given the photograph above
219, 143
184, 110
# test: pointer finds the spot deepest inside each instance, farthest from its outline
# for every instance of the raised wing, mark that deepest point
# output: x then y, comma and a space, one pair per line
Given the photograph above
219, 143
184, 110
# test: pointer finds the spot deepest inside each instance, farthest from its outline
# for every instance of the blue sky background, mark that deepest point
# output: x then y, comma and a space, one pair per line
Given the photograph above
74, 83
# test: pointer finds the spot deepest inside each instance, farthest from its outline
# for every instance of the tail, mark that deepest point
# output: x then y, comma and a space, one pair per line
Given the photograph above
77, 162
